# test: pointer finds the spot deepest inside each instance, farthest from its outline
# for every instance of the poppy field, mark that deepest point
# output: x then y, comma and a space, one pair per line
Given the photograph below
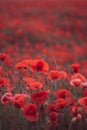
43, 65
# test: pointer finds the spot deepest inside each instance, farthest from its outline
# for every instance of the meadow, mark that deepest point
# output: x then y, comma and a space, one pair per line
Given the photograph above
43, 65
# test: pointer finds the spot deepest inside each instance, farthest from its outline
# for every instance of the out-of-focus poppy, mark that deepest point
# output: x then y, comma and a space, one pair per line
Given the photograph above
21, 65
7, 62
28, 81
84, 85
61, 103
4, 82
7, 98
78, 76
75, 67
74, 110
84, 93
63, 74
35, 85
19, 100
54, 75
53, 118
40, 97
3, 56
63, 93
82, 101
1, 70
76, 82
30, 112
6, 59
39, 66
52, 107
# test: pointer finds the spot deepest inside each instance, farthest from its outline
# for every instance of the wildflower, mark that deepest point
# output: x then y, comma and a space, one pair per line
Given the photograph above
19, 100
53, 117
63, 93
74, 110
63, 74
39, 66
3, 56
84, 85
61, 103
26, 61
1, 70
39, 97
54, 75
30, 112
82, 101
8, 61
21, 65
28, 81
75, 67
35, 85
4, 82
78, 76
76, 82
71, 101
84, 93
52, 107
7, 98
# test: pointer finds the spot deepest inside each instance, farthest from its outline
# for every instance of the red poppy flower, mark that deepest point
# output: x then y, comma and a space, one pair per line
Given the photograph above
54, 75
1, 70
63, 93
61, 103
85, 109
83, 101
74, 111
63, 74
52, 107
28, 81
19, 100
3, 56
84, 93
4, 82
7, 98
78, 76
53, 117
76, 82
30, 112
26, 61
8, 61
39, 66
21, 65
39, 96
84, 85
75, 67
35, 85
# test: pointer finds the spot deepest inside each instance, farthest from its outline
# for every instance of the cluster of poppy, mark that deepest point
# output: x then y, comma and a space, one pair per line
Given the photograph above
43, 66
43, 94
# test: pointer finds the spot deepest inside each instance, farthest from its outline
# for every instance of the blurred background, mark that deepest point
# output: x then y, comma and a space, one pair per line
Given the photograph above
44, 29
